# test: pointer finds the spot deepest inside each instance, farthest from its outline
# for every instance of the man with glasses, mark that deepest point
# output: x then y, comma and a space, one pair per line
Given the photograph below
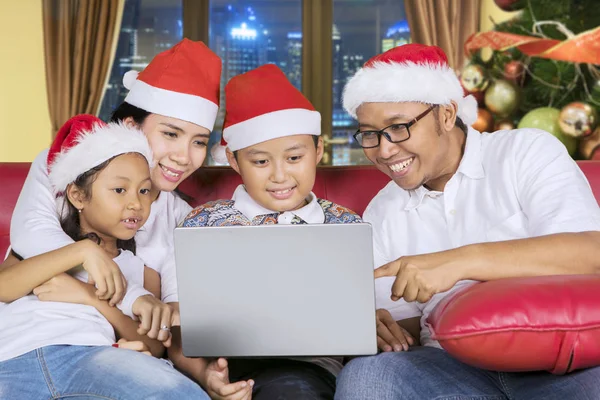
462, 206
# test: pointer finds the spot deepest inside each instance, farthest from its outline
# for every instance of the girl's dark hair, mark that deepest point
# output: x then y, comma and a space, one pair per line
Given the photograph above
70, 220
126, 110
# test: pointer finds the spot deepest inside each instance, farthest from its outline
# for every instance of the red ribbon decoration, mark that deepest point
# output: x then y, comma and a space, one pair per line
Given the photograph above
583, 48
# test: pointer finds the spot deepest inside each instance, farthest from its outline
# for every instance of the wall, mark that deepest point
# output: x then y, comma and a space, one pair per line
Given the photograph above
24, 120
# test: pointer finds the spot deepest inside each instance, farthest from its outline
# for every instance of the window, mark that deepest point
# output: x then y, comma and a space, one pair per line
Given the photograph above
361, 29
148, 27
250, 33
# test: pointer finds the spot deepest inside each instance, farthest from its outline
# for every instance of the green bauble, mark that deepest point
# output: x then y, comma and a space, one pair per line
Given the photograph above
502, 98
546, 118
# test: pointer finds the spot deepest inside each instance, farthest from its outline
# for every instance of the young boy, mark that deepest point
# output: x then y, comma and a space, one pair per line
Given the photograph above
271, 137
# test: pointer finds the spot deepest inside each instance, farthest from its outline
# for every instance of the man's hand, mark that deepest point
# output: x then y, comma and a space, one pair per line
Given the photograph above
64, 288
390, 335
420, 277
216, 382
156, 318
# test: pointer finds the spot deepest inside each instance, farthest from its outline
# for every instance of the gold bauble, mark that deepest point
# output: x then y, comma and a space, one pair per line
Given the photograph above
474, 78
502, 98
484, 122
504, 125
578, 119
589, 146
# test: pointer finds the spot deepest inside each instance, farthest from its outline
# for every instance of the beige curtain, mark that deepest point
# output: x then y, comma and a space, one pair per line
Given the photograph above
78, 44
444, 23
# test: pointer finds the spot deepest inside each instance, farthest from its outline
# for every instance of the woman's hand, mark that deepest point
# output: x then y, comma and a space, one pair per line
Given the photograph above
104, 273
156, 318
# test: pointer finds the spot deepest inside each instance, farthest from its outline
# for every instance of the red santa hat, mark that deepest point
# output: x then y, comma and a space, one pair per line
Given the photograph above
182, 82
261, 105
84, 142
409, 73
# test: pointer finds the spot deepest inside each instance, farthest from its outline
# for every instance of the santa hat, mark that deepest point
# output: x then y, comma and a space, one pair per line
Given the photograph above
409, 73
261, 105
182, 82
84, 142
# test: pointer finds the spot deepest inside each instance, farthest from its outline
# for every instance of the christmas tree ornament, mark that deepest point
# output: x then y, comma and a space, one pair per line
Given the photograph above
589, 146
502, 98
595, 92
546, 118
578, 119
510, 5
504, 125
484, 122
474, 78
514, 70
486, 54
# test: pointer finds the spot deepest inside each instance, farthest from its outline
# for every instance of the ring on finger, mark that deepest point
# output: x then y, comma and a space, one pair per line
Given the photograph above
165, 328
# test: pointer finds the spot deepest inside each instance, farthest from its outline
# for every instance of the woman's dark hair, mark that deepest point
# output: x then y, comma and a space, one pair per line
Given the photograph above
70, 220
126, 110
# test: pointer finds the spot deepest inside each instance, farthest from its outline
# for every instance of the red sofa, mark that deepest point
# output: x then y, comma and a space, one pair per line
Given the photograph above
352, 187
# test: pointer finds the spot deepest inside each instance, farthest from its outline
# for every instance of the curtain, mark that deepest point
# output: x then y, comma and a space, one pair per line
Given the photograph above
79, 44
444, 23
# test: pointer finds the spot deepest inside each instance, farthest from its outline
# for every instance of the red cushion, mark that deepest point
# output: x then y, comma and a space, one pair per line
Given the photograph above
547, 323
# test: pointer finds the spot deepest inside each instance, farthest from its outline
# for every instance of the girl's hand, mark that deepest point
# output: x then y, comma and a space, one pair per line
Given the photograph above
135, 345
104, 273
216, 382
66, 289
156, 318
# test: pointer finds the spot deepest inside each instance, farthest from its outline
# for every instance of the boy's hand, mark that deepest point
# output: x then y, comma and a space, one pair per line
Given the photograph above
135, 345
216, 382
390, 335
156, 318
64, 288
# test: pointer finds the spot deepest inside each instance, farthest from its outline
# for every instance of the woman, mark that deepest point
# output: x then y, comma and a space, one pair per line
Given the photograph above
174, 101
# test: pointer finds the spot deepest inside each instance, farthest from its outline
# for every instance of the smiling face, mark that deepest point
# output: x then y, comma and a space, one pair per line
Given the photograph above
117, 203
430, 156
279, 174
179, 149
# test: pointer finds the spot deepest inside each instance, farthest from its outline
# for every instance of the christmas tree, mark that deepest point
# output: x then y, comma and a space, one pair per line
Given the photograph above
540, 69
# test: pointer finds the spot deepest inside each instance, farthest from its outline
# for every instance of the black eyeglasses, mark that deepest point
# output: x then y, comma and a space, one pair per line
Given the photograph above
394, 133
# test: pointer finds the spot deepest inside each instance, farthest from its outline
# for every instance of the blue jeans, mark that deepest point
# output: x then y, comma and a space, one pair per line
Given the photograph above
95, 372
426, 373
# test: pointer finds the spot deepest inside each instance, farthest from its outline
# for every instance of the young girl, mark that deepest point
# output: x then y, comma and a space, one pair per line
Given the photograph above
174, 101
102, 181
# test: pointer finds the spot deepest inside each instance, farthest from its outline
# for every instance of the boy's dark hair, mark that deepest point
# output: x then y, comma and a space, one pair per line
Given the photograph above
70, 220
126, 110
314, 137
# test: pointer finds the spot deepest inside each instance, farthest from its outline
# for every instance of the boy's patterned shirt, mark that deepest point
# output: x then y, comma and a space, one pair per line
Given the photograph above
224, 213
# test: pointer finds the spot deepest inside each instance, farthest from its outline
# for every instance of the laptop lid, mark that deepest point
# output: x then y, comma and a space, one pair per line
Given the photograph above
276, 290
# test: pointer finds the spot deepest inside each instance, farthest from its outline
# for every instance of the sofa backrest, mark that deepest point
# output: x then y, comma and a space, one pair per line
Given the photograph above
352, 187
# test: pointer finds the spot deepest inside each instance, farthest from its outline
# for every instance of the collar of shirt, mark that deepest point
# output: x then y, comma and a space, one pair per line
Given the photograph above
471, 166
311, 213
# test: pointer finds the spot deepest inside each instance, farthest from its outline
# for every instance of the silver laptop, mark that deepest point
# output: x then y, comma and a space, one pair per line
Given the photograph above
276, 290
